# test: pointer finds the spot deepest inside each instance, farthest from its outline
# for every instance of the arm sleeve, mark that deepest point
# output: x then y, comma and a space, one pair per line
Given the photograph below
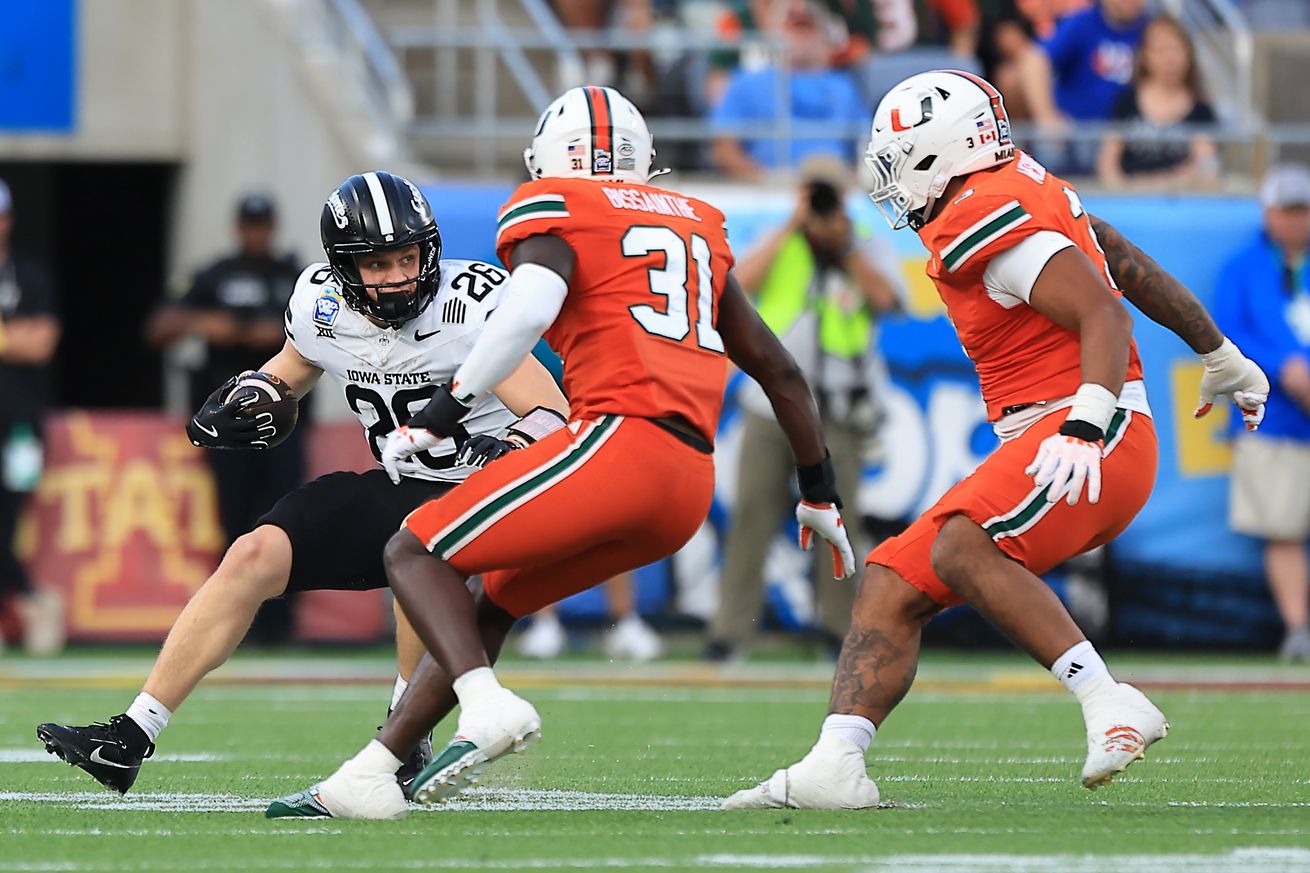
1011, 275
531, 302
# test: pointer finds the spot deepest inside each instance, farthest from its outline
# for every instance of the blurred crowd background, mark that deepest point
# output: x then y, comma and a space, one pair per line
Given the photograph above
163, 167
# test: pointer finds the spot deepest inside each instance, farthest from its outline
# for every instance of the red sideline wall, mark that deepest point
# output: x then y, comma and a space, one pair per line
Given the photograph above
125, 525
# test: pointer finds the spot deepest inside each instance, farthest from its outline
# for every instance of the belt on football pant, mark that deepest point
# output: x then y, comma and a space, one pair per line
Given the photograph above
674, 426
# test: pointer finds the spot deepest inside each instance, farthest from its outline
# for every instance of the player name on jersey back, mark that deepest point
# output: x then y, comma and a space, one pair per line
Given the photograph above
389, 374
650, 201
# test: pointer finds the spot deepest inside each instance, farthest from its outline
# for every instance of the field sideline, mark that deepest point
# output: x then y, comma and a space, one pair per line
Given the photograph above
978, 771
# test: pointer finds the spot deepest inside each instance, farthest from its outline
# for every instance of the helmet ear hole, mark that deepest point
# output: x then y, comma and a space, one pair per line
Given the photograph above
925, 164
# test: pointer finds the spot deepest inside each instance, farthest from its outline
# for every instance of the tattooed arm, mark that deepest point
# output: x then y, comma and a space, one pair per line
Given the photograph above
1167, 302
1163, 299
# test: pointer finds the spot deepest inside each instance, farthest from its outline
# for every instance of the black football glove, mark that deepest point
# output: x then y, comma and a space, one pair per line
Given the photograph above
537, 424
219, 425
481, 450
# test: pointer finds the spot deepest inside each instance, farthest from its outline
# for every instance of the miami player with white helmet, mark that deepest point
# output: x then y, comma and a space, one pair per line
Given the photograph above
632, 285
1034, 295
390, 320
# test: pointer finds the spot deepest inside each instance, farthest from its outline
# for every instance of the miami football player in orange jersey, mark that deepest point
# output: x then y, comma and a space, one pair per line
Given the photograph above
631, 285
1028, 286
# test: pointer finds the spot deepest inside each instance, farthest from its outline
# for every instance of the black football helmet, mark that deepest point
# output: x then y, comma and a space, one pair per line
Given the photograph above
375, 211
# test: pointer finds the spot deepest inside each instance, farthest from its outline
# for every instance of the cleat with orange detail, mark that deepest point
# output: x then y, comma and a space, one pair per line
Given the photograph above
1121, 725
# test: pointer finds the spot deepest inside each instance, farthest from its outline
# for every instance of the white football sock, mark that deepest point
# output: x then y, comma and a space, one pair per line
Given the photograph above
149, 714
1082, 671
476, 684
376, 758
852, 728
397, 692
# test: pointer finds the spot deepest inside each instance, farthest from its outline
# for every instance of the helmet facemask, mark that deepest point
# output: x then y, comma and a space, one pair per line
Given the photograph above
898, 203
392, 307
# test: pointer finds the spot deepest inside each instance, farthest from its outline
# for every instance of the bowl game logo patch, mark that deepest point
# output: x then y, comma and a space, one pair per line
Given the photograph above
326, 308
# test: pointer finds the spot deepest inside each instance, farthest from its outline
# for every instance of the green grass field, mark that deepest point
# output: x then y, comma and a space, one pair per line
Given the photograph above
979, 771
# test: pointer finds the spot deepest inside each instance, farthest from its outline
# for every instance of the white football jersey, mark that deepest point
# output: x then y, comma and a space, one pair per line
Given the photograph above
390, 374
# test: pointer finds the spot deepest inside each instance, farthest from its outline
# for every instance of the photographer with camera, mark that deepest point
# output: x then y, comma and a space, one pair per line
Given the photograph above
818, 282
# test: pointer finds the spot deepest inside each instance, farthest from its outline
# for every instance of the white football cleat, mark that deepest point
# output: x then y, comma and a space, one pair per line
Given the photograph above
632, 640
501, 725
544, 640
351, 792
1121, 726
831, 776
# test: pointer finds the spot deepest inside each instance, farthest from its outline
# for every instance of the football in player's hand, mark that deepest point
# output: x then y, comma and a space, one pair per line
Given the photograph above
269, 402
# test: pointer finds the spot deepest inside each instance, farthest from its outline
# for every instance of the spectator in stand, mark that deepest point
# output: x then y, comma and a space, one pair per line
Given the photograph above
912, 36
740, 22
818, 95
1085, 67
1045, 14
874, 27
1013, 33
236, 306
29, 335
1263, 304
1165, 100
1092, 54
1007, 49
631, 69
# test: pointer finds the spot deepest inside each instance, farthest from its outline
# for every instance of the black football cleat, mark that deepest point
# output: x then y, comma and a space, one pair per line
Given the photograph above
417, 762
112, 753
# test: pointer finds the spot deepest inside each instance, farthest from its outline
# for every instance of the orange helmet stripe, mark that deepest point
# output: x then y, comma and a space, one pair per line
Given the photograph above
998, 104
988, 88
602, 129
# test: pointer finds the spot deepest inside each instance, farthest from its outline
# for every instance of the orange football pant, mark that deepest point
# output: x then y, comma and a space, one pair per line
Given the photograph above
1002, 499
592, 500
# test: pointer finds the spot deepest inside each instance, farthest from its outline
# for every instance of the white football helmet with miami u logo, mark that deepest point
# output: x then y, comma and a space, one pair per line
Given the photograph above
927, 130
591, 132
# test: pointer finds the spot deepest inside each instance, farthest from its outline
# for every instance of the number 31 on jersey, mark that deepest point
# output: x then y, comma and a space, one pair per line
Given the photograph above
671, 281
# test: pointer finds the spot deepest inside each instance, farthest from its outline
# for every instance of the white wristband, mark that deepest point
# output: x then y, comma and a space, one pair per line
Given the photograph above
1094, 404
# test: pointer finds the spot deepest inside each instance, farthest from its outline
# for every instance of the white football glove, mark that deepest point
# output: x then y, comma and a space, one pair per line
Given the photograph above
405, 442
1064, 463
825, 519
1230, 373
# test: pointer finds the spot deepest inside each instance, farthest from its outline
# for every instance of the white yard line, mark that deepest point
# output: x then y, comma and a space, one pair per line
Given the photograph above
1236, 861
530, 800
39, 756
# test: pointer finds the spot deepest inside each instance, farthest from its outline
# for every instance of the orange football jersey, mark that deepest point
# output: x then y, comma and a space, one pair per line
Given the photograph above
1021, 355
637, 329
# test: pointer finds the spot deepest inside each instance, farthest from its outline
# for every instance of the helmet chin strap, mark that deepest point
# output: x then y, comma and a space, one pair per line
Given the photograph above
919, 217
392, 304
